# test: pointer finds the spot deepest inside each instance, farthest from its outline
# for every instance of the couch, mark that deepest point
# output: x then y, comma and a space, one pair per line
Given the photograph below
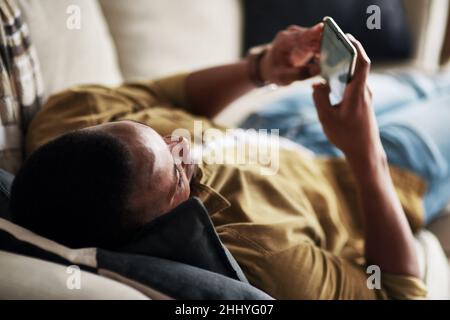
128, 40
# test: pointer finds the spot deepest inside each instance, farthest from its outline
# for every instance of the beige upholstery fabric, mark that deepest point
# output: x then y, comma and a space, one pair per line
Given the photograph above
85, 256
41, 284
434, 265
441, 229
427, 22
70, 57
28, 278
445, 55
160, 37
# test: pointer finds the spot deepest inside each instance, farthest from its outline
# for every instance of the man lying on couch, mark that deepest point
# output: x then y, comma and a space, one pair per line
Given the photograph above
103, 165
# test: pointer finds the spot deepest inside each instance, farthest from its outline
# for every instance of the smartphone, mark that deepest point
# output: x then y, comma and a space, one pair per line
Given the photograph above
337, 59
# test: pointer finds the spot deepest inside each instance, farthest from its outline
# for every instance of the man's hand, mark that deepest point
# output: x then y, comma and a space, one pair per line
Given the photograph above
351, 125
292, 55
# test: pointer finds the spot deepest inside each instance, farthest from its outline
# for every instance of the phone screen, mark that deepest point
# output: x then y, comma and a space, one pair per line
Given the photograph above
336, 61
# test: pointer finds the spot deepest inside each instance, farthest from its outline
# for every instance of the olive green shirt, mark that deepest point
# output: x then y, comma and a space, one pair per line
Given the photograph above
296, 234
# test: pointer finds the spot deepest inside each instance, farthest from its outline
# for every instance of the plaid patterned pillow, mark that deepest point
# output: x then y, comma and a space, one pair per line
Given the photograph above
21, 85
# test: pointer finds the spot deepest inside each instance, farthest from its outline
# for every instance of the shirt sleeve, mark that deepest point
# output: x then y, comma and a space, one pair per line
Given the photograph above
172, 89
305, 271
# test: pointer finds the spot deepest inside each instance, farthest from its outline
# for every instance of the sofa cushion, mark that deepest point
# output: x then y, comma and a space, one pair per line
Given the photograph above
433, 265
427, 22
177, 280
159, 37
23, 277
71, 56
440, 227
141, 271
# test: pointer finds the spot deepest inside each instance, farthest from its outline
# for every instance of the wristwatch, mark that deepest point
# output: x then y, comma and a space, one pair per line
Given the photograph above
254, 57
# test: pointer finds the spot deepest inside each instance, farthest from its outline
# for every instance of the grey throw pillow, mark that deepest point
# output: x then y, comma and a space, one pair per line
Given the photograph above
186, 235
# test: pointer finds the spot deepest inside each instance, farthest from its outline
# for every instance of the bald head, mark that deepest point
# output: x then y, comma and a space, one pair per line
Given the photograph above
159, 184
97, 186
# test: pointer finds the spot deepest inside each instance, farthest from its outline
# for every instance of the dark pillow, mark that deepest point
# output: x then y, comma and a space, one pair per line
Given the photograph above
178, 280
186, 234
6, 180
264, 18
173, 278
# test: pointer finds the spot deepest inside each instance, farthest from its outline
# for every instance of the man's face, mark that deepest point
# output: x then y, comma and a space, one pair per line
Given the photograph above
160, 182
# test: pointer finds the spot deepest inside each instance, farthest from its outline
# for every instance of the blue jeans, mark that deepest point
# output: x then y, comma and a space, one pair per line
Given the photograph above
413, 114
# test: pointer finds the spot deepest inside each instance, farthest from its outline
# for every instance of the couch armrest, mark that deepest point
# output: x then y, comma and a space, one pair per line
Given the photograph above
434, 267
23, 277
428, 21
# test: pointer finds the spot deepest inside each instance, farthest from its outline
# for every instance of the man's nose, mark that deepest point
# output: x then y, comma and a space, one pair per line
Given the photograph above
180, 144
174, 140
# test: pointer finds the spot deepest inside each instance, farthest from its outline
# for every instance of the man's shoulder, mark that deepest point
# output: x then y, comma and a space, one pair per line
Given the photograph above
65, 111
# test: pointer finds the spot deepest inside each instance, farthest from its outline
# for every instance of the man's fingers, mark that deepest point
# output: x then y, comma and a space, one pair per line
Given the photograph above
294, 27
359, 48
287, 75
317, 28
358, 84
362, 67
306, 45
308, 71
308, 37
321, 97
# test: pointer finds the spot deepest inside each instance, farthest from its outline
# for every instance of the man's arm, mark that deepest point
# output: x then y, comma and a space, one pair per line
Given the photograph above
287, 59
209, 91
389, 241
352, 127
